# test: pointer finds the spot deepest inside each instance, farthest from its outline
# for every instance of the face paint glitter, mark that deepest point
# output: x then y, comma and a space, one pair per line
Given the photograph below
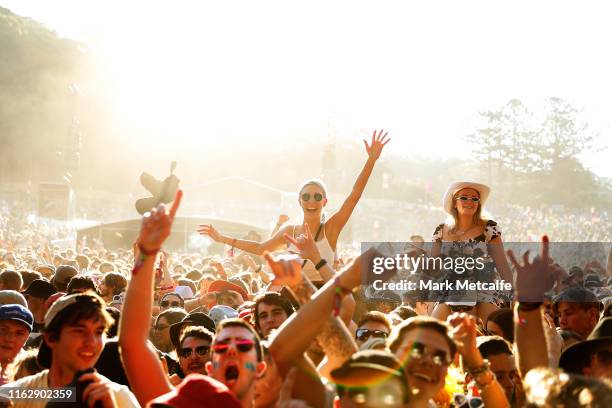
250, 366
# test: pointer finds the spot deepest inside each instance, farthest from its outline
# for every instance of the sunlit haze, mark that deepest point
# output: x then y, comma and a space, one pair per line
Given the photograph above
215, 74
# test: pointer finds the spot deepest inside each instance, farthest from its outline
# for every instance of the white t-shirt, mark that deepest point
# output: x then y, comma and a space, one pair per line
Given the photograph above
123, 396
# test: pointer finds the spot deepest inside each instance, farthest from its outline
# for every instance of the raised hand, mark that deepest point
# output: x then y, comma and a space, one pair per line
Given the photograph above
464, 333
306, 245
534, 279
156, 225
287, 269
376, 144
208, 229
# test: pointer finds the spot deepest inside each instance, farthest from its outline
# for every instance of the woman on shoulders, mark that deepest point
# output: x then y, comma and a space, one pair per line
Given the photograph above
312, 197
468, 231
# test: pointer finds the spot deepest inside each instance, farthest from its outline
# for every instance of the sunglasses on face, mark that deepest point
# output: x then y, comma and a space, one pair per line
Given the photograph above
161, 327
200, 351
466, 198
418, 351
317, 196
460, 308
165, 303
365, 334
243, 346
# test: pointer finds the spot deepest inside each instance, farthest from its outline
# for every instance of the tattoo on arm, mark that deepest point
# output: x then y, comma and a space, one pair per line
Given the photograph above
335, 338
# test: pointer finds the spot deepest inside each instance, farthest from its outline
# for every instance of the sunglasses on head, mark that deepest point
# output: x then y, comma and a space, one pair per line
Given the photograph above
165, 303
418, 350
365, 334
242, 346
317, 196
466, 198
200, 351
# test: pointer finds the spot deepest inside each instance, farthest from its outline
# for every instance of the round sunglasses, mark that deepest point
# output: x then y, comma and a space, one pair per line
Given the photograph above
200, 351
317, 197
417, 350
243, 346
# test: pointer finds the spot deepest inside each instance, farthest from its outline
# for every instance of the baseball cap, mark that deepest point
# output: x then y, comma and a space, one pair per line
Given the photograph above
592, 280
575, 294
40, 288
222, 285
221, 312
12, 297
44, 352
184, 291
198, 390
17, 313
64, 273
192, 319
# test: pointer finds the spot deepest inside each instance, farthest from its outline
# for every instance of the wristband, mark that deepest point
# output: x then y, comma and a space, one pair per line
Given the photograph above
143, 251
480, 369
320, 264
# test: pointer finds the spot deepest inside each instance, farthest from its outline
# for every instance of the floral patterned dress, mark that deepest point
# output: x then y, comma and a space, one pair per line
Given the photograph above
476, 247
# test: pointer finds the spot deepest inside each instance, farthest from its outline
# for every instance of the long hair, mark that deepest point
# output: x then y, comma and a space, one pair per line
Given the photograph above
480, 217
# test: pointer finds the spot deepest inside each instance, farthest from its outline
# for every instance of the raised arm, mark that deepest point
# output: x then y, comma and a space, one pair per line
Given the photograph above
464, 334
258, 248
339, 219
142, 365
296, 334
533, 280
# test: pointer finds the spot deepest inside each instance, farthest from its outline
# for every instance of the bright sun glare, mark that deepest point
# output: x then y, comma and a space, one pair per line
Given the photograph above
246, 71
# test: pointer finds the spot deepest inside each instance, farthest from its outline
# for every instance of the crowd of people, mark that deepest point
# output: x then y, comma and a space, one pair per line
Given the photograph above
288, 321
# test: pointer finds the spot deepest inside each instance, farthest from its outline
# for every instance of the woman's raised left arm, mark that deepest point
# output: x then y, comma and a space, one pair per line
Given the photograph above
341, 217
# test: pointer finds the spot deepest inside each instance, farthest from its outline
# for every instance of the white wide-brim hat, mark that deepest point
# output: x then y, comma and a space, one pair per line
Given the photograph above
483, 192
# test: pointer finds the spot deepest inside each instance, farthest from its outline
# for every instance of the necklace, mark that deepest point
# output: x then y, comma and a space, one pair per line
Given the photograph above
457, 232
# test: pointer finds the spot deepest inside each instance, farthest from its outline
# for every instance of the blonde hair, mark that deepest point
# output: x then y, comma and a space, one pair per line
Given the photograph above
481, 216
316, 182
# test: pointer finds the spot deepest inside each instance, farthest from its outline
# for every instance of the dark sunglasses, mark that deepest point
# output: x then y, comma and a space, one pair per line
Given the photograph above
466, 198
200, 351
365, 334
242, 346
440, 357
317, 196
461, 308
165, 303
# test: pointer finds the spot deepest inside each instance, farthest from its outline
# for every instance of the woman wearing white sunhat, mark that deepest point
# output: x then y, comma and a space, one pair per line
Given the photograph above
469, 233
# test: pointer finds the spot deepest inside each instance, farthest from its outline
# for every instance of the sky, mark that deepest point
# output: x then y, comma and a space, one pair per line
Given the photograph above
244, 71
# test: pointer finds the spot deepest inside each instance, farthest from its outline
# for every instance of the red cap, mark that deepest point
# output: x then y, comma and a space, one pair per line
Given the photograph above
198, 390
51, 299
221, 285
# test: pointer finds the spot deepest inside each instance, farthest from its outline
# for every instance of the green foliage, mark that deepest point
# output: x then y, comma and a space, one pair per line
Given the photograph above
36, 70
536, 158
